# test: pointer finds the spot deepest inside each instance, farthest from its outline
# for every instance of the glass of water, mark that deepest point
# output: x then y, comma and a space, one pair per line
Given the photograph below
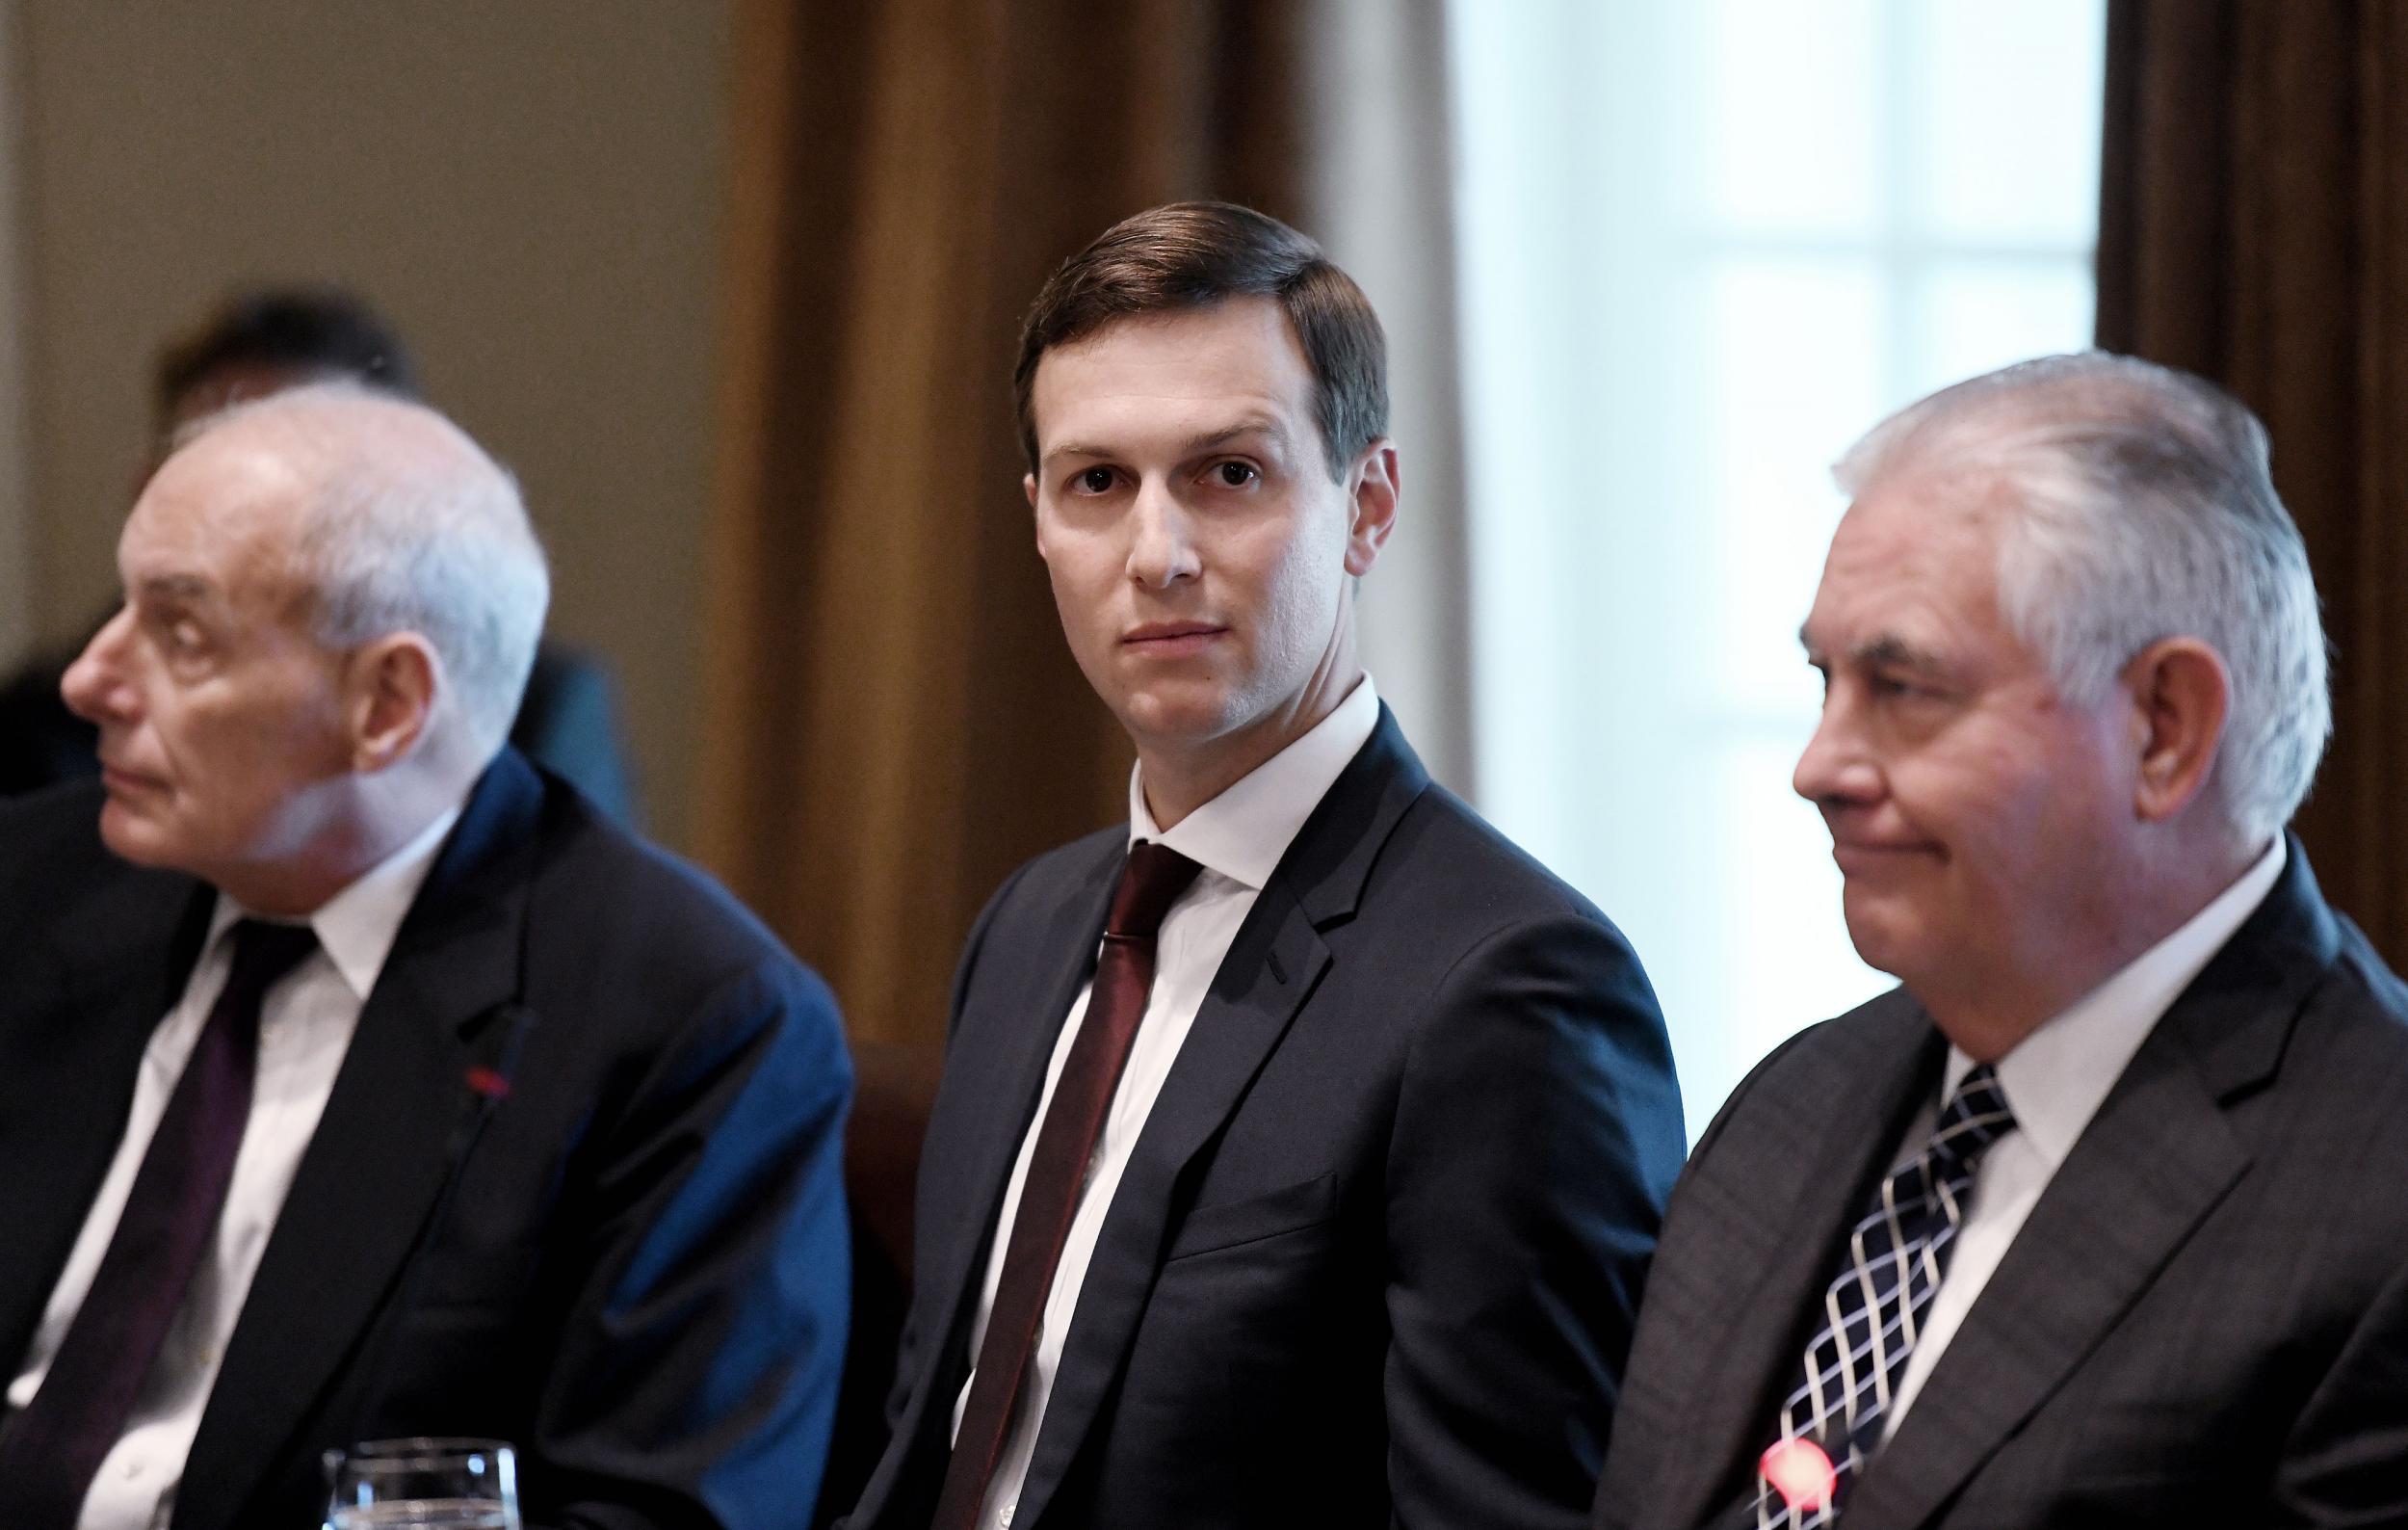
423, 1485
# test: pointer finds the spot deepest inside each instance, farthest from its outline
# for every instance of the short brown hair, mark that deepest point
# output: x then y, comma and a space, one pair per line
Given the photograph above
1195, 254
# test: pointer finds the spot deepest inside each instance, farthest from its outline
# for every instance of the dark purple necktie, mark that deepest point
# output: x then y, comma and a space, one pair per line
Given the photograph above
49, 1452
1150, 883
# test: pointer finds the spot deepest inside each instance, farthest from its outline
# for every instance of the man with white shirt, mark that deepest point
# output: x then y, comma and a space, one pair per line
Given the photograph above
2101, 1218
1301, 1142
359, 1080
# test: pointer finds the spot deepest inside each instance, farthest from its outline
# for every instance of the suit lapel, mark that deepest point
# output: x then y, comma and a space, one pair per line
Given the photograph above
70, 1054
1019, 1055
1275, 963
382, 1152
1766, 1228
2151, 1165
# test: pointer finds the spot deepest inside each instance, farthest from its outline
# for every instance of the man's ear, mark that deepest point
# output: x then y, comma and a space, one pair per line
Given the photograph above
1372, 489
2181, 696
391, 691
1037, 516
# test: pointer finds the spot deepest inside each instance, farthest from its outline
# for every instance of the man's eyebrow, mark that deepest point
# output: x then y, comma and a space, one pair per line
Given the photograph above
1890, 650
1253, 425
1884, 649
1194, 445
188, 587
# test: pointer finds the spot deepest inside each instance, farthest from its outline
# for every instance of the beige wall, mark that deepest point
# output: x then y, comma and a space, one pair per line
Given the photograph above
531, 190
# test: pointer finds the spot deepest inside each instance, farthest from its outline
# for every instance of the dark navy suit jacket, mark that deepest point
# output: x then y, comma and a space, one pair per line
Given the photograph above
631, 1261
1376, 1255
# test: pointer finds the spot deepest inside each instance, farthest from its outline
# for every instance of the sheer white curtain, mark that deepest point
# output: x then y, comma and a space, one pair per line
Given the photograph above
1701, 246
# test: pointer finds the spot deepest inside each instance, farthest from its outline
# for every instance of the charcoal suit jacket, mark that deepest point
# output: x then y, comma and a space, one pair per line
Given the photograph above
576, 1187
2203, 1322
1375, 1257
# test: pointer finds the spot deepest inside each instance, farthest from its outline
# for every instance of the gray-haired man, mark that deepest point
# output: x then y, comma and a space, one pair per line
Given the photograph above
356, 1079
2100, 1219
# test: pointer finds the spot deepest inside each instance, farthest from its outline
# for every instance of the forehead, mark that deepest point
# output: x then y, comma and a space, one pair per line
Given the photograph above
1915, 559
1172, 375
222, 517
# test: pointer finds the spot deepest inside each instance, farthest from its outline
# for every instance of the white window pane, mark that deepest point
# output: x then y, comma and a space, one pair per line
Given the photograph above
2010, 95
1972, 316
1794, 348
1786, 114
1778, 937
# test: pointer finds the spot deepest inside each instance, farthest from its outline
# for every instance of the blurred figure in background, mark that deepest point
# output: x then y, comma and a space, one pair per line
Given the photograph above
2102, 1217
357, 1079
1301, 1141
260, 343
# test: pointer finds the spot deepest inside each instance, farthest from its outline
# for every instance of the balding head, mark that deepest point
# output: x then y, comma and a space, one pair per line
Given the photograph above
332, 603
399, 523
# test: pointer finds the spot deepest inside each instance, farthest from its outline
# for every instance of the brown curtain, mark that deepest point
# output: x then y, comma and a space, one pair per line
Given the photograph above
893, 719
2254, 228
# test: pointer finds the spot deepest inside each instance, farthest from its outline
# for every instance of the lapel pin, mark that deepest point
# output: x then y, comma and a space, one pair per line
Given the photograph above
488, 1083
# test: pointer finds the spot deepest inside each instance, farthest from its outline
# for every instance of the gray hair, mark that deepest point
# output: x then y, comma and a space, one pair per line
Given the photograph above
410, 527
2143, 508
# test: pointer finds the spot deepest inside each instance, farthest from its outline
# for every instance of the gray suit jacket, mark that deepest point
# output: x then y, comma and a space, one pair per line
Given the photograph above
2205, 1321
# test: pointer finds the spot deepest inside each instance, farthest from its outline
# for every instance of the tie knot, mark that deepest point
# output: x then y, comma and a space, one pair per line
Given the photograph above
1151, 880
264, 952
1975, 1115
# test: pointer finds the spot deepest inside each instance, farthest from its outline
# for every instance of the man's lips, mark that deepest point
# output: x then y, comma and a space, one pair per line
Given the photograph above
1172, 639
118, 778
1862, 856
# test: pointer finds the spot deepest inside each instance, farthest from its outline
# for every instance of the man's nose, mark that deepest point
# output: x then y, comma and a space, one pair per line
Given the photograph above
94, 686
1161, 547
1837, 767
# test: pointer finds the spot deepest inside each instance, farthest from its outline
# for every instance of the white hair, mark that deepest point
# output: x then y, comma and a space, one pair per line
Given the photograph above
411, 527
2140, 508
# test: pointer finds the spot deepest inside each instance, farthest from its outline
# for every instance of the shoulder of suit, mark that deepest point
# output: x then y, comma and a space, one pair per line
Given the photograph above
601, 884
1441, 847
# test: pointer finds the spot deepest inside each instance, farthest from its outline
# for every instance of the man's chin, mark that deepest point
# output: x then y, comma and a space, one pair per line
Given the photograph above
1177, 718
131, 834
1885, 935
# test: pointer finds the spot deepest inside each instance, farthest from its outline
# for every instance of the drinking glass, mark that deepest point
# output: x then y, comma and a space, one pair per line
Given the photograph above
423, 1485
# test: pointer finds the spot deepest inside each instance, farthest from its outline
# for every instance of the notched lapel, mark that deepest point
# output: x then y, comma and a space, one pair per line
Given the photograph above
1272, 967
70, 1048
1765, 1218
374, 1170
1014, 1053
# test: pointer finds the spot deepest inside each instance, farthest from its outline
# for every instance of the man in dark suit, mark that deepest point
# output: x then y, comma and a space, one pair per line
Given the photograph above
2102, 1218
259, 342
1317, 1191
357, 1079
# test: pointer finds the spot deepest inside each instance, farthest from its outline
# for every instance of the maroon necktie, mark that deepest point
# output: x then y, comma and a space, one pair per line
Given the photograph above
1150, 883
49, 1452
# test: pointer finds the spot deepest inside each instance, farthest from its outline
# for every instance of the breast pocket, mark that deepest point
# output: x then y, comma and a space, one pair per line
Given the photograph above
1290, 1209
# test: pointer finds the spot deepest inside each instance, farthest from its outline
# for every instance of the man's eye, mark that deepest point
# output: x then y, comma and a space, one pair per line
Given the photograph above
1095, 480
1235, 475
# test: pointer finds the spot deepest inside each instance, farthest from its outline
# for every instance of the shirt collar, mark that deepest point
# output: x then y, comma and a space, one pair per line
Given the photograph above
358, 926
2056, 1077
1243, 832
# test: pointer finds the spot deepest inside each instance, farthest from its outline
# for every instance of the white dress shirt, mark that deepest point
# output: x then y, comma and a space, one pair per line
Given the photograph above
2054, 1081
305, 1025
1238, 839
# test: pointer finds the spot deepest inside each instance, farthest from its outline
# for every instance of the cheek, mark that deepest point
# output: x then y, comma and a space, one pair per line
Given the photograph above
1083, 574
1301, 592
